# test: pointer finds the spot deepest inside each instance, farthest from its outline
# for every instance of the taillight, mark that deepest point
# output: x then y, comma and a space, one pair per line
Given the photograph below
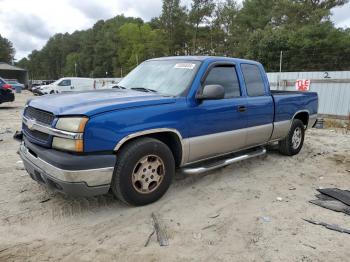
7, 86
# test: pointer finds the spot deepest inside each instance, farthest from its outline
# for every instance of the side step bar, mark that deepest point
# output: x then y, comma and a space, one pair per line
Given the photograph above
201, 169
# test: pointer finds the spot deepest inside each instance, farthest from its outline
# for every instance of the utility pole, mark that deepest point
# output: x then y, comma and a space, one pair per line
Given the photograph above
121, 72
137, 59
279, 75
281, 54
75, 68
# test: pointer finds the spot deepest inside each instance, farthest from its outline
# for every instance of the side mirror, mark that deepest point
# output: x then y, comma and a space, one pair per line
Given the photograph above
211, 92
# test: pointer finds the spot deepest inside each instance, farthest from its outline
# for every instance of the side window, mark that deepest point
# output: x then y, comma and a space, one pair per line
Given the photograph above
65, 82
225, 76
253, 80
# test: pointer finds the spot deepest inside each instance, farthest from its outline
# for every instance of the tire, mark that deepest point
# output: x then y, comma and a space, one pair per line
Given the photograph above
290, 145
132, 171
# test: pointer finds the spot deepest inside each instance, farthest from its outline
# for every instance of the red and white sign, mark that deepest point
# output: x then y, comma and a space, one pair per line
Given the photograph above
302, 84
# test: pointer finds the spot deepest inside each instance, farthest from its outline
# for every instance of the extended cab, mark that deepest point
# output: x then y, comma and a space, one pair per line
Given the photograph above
188, 113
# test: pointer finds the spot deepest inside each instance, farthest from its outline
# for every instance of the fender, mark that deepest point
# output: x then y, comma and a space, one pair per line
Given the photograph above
184, 143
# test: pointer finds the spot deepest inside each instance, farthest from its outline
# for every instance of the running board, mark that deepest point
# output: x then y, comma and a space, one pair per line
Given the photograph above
201, 169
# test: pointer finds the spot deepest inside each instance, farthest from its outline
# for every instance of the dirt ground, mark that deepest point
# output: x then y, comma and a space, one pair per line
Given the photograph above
231, 214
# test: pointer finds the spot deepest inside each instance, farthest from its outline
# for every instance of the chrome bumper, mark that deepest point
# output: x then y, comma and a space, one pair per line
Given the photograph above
90, 177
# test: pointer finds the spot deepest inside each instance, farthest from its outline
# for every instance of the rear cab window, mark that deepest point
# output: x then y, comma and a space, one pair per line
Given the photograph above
253, 80
226, 76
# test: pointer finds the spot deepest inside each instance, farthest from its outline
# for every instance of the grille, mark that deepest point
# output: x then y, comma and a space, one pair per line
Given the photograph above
39, 115
36, 134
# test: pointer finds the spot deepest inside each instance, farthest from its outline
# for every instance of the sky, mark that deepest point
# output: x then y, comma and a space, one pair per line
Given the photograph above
28, 24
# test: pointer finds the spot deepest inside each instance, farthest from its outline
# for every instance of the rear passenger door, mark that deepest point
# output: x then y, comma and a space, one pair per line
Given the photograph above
218, 126
260, 106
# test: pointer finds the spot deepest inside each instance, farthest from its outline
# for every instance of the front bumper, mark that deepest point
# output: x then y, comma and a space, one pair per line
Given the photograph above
70, 174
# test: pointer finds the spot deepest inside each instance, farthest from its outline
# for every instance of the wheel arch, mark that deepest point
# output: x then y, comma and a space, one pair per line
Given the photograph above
169, 136
302, 115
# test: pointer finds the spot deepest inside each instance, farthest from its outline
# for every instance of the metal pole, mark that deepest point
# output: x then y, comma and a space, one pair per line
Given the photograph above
75, 68
279, 76
137, 59
121, 72
281, 54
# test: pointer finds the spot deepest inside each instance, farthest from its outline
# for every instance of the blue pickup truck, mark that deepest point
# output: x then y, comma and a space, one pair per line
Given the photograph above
188, 113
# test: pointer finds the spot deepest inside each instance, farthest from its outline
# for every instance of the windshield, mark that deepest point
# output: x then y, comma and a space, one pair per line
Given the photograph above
168, 77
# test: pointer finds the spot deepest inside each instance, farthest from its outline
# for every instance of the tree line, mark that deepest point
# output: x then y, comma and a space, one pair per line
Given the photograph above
255, 29
7, 52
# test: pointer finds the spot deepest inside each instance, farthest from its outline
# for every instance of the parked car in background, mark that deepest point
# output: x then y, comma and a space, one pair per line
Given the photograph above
32, 84
189, 113
66, 84
14, 83
6, 94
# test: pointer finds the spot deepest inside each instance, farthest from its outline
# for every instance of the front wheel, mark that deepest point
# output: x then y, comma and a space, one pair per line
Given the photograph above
143, 172
293, 142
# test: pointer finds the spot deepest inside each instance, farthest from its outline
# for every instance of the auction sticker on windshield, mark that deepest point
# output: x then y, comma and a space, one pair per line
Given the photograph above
185, 66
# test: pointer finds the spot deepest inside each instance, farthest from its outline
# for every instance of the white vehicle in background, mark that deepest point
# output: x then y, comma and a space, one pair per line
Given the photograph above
67, 84
71, 84
106, 83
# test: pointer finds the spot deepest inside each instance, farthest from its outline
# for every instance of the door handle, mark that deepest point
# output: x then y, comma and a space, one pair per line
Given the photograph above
241, 108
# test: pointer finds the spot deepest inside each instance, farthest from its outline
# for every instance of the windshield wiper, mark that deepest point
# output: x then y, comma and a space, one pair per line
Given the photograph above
144, 89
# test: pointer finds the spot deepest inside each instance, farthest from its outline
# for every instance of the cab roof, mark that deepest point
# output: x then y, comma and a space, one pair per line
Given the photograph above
205, 58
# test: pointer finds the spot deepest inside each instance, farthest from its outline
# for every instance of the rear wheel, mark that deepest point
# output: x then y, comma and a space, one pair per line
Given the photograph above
293, 142
143, 172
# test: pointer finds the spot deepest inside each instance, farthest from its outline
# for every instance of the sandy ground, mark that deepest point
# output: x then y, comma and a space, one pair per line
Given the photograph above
231, 214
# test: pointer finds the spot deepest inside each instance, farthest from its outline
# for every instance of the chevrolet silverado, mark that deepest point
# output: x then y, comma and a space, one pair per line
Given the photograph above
189, 113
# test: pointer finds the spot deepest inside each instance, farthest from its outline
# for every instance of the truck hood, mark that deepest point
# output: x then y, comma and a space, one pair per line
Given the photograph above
94, 102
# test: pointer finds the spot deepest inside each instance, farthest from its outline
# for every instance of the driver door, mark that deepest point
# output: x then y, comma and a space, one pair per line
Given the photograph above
65, 86
218, 126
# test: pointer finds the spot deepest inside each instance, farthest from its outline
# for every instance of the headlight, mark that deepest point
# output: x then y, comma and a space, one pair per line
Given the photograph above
72, 124
75, 145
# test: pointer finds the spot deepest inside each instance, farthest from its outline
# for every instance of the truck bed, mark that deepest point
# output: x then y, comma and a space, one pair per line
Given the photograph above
287, 103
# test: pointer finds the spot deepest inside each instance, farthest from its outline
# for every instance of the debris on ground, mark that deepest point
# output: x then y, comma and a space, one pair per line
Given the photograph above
341, 195
328, 226
18, 136
45, 200
209, 226
149, 238
333, 199
333, 205
214, 216
307, 245
279, 198
19, 165
266, 219
160, 231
